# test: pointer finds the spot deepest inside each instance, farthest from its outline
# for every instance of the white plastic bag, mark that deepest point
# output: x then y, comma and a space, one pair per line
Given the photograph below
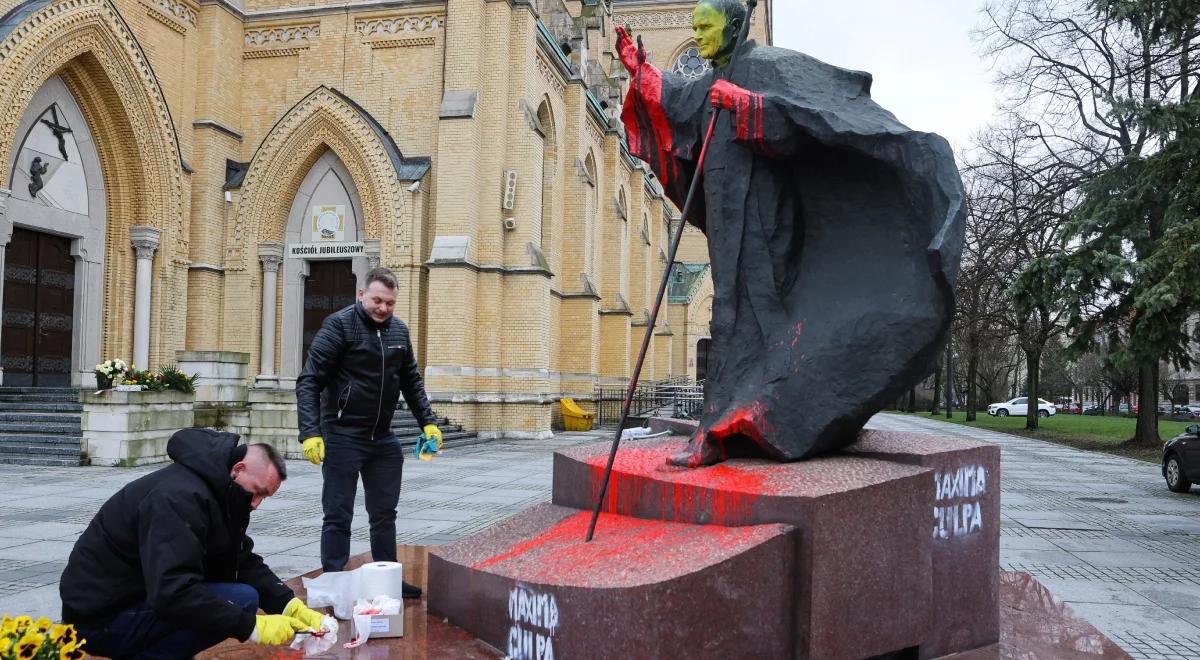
337, 590
364, 610
314, 645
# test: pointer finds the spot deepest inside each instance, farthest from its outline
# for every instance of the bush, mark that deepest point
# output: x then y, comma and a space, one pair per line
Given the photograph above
174, 379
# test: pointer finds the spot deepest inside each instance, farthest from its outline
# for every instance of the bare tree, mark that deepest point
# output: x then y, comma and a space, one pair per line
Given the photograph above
1019, 190
985, 273
1173, 385
1087, 373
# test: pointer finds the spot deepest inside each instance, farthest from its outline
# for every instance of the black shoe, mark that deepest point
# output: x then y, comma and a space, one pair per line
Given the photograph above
409, 591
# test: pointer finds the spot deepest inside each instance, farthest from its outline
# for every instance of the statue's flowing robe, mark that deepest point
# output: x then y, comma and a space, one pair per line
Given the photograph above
834, 233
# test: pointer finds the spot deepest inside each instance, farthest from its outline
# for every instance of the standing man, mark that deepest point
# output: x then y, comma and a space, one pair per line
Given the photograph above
165, 569
360, 362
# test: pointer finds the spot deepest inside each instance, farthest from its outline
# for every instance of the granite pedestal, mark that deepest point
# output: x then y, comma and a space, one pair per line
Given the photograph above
868, 573
965, 559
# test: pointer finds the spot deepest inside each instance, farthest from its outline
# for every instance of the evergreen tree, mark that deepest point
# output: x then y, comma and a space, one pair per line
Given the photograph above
1131, 267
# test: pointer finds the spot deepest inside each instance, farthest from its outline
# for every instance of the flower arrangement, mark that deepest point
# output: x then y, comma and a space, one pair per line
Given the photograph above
135, 376
110, 371
169, 378
23, 638
174, 379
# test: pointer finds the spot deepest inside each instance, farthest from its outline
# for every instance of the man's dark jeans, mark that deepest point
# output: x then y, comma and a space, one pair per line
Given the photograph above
139, 632
381, 463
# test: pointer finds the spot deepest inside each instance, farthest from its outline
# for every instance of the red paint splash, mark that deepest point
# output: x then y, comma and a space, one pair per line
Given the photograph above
643, 104
723, 494
749, 421
797, 330
625, 550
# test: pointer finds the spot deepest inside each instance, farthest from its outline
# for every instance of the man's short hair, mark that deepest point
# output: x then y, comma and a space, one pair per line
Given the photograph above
733, 9
273, 456
382, 275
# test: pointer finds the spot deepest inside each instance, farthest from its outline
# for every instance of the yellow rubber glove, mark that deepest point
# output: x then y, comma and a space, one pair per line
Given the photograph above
299, 611
314, 449
275, 629
432, 431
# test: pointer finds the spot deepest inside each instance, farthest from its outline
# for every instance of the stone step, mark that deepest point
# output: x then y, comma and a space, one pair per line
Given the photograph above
449, 440
40, 428
42, 461
39, 390
35, 439
404, 417
39, 417
48, 450
40, 406
530, 586
416, 430
70, 397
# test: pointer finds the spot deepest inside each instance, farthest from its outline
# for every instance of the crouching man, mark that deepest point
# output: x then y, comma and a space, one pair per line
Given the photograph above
165, 569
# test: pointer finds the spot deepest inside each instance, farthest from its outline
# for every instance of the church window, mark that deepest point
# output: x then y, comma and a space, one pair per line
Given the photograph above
690, 65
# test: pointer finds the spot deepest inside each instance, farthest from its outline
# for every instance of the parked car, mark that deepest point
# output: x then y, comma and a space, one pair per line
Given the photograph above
1020, 407
1093, 410
1181, 460
1187, 412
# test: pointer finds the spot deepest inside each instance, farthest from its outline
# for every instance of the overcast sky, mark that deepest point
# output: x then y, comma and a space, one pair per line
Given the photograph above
926, 68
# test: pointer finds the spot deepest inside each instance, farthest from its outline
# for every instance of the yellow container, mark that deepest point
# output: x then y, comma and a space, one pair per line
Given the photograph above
574, 417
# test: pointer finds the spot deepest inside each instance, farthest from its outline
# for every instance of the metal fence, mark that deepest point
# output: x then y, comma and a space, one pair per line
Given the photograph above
676, 397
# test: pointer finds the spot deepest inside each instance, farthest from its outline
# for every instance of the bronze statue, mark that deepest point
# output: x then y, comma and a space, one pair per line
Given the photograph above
36, 169
834, 234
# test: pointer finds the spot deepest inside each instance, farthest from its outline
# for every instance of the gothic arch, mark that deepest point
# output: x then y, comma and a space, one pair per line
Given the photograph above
324, 124
591, 208
551, 165
323, 120
88, 44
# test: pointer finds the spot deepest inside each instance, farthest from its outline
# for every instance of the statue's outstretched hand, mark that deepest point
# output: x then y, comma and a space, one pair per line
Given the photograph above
627, 51
729, 96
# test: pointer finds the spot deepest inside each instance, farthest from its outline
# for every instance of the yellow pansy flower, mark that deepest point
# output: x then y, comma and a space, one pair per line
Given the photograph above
71, 651
61, 633
5, 645
43, 624
23, 622
29, 645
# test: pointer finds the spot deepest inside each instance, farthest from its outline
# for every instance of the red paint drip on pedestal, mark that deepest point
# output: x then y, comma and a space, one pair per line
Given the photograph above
623, 546
723, 494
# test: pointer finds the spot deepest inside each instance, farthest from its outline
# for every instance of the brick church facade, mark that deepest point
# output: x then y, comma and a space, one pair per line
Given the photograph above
192, 178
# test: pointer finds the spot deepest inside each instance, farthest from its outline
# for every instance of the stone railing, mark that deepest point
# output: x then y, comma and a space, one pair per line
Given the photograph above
132, 428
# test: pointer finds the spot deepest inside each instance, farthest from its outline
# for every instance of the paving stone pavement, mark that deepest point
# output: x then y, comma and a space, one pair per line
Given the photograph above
462, 491
1101, 532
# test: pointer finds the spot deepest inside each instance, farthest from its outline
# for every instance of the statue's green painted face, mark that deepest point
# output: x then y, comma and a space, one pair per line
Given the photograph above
708, 27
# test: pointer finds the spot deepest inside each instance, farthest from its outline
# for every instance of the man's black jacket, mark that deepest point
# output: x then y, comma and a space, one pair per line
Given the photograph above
354, 375
160, 536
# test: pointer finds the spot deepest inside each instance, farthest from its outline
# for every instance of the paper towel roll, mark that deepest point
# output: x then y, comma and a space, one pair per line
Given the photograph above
381, 578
